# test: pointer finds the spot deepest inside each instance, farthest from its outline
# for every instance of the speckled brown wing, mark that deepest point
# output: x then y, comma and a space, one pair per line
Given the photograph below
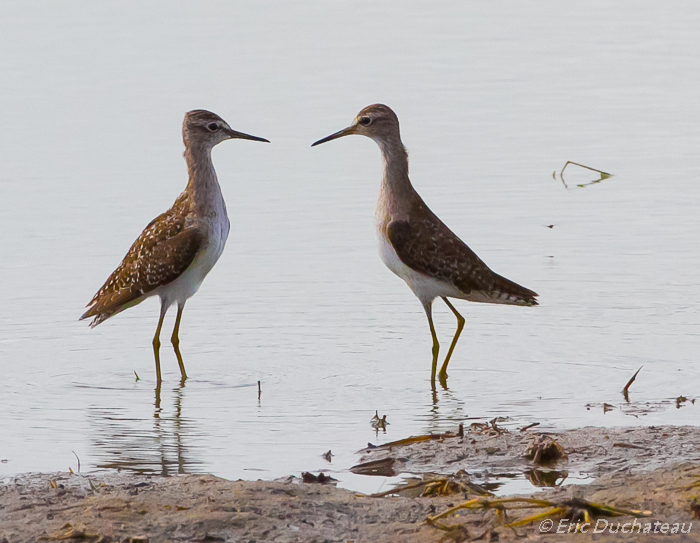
428, 246
163, 251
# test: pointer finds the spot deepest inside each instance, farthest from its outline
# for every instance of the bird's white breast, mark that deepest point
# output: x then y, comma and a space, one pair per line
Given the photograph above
189, 282
425, 288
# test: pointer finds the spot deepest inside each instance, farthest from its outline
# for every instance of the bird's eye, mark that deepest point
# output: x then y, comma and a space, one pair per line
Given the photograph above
213, 127
364, 121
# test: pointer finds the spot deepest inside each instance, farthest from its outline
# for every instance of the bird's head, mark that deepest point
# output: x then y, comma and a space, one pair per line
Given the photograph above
204, 128
377, 122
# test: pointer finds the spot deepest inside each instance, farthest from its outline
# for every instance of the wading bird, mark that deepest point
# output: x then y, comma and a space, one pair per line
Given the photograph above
176, 251
416, 245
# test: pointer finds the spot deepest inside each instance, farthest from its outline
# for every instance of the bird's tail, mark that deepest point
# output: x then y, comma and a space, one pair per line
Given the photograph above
97, 316
520, 295
505, 291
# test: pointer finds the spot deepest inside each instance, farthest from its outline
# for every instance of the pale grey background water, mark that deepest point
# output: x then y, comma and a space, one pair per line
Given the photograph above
492, 98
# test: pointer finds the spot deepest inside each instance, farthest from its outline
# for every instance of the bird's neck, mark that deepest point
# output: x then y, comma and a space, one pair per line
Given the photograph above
203, 185
396, 188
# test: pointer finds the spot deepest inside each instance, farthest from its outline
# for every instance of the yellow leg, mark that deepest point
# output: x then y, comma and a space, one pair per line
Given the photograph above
460, 326
156, 342
175, 339
436, 344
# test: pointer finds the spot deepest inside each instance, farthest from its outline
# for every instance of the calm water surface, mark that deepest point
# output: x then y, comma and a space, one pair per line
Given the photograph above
492, 99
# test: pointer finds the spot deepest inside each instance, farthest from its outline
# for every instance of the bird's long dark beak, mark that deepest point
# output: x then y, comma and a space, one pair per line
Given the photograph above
344, 132
241, 136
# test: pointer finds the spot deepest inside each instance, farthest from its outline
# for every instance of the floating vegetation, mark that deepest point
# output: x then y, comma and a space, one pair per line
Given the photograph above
603, 175
680, 401
415, 439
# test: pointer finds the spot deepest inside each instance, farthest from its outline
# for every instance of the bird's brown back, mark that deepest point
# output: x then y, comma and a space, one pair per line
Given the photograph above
425, 244
163, 251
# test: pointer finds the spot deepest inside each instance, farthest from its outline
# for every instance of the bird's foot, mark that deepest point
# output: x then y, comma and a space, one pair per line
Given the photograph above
443, 379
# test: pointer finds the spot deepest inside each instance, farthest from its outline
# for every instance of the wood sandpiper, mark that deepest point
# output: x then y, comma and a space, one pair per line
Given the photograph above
417, 246
177, 249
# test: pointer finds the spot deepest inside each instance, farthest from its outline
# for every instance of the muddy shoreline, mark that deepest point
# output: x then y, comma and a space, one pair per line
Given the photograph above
650, 470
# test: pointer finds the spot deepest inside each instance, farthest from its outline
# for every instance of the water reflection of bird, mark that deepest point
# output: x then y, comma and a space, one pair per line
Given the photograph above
164, 446
417, 246
176, 251
446, 414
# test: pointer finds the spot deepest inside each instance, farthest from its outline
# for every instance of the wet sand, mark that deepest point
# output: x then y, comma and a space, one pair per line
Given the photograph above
645, 469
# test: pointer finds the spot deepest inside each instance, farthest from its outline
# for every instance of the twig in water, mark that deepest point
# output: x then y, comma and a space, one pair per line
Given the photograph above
625, 391
524, 428
601, 172
603, 175
78, 461
259, 390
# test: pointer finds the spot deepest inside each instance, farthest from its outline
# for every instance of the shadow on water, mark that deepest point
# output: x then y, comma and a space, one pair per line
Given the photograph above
156, 446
